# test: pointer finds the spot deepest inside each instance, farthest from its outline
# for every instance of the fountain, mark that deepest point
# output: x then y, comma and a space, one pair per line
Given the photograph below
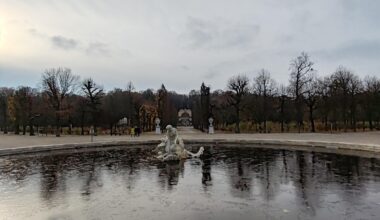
173, 148
226, 182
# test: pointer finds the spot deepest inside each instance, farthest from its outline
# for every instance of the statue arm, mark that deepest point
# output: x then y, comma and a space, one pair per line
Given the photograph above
180, 142
161, 146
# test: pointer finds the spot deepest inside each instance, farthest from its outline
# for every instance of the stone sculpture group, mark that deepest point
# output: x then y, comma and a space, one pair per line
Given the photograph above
173, 148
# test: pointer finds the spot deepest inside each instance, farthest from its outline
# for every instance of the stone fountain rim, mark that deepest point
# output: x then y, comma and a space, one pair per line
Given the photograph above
365, 150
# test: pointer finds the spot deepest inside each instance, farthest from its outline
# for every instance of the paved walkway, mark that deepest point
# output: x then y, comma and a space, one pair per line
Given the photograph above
357, 138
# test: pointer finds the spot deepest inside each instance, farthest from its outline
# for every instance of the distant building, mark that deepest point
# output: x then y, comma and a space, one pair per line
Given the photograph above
184, 117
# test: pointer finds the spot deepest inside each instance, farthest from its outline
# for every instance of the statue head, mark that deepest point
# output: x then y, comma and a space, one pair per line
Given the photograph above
157, 121
210, 120
171, 132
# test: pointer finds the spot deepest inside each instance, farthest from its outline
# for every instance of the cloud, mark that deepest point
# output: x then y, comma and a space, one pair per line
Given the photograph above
200, 35
361, 49
36, 33
61, 42
217, 34
211, 74
64, 43
98, 48
33, 31
220, 68
184, 67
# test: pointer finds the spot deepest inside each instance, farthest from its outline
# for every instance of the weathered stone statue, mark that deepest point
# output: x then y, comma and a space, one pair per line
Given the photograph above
210, 127
158, 128
172, 147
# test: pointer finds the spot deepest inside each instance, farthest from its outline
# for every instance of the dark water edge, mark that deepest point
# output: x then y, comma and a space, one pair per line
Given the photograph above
225, 183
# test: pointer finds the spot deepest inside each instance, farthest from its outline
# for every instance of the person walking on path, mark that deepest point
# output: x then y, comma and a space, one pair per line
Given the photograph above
132, 131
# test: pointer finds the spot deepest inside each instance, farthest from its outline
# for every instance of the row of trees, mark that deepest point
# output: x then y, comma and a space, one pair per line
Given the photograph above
339, 101
335, 102
65, 100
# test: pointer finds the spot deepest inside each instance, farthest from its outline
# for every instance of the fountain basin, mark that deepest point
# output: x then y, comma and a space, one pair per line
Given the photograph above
367, 150
124, 182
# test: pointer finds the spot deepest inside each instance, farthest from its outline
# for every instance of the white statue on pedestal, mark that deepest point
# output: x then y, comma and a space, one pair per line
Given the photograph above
172, 147
210, 127
158, 128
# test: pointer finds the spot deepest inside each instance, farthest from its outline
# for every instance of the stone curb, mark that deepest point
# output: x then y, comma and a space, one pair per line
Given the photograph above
282, 144
72, 146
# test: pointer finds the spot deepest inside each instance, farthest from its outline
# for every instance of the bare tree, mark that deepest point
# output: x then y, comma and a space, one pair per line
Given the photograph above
114, 108
58, 84
311, 98
130, 103
345, 86
196, 108
5, 95
355, 87
23, 107
324, 93
283, 97
371, 98
162, 103
238, 86
264, 87
205, 106
94, 93
301, 73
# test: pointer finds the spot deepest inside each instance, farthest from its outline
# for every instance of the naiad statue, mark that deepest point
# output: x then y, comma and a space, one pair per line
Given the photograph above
172, 147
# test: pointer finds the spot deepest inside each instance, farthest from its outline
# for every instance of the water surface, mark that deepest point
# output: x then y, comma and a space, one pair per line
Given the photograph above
226, 183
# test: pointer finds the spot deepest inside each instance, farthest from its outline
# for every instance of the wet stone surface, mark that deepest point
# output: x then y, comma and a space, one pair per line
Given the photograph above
225, 183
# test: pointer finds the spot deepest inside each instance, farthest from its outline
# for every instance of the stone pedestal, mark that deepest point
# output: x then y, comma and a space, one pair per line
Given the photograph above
158, 130
211, 129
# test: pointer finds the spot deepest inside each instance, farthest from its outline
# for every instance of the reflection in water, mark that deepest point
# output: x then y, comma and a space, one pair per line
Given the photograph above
223, 183
169, 173
206, 167
50, 177
92, 180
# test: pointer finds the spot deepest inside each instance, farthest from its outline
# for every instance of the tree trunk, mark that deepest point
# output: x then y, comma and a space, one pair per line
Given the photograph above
82, 129
5, 122
23, 129
265, 126
299, 126
282, 114
282, 126
95, 130
265, 113
17, 128
83, 114
237, 128
299, 115
70, 129
311, 111
58, 126
364, 127
31, 129
353, 118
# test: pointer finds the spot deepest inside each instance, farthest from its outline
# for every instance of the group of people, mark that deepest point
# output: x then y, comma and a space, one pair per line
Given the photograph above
135, 131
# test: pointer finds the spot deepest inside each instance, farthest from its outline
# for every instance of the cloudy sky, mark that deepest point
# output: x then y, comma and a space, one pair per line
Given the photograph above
181, 43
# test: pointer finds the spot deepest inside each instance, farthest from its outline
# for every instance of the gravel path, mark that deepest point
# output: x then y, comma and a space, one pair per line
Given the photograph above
359, 138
